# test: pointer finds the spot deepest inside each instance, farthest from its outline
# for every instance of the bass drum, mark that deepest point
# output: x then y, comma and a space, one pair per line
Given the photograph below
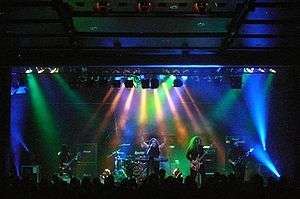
140, 171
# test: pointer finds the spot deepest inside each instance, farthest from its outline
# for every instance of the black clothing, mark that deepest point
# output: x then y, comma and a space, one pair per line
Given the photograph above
238, 155
192, 155
64, 157
153, 162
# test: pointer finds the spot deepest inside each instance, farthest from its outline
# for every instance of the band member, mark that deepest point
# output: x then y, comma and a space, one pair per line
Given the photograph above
64, 157
195, 155
237, 158
153, 148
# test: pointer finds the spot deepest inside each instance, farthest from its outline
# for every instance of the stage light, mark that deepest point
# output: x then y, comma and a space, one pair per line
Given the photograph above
154, 83
177, 82
249, 70
172, 77
161, 77
39, 70
53, 70
28, 70
272, 70
261, 70
235, 82
184, 78
145, 83
116, 83
128, 83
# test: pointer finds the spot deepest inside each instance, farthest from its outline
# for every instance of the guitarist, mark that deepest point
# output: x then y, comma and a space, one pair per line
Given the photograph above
64, 157
194, 154
237, 158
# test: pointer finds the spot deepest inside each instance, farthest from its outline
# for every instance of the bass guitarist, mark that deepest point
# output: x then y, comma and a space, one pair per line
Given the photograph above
238, 158
195, 154
66, 161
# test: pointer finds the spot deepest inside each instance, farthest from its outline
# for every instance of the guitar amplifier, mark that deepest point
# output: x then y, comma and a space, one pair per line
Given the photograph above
210, 161
86, 169
88, 152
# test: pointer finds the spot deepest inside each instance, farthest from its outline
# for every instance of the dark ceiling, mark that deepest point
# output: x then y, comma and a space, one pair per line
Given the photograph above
170, 32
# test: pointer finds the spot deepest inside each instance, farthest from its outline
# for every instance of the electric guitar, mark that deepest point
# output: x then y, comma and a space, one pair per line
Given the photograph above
241, 158
197, 163
66, 166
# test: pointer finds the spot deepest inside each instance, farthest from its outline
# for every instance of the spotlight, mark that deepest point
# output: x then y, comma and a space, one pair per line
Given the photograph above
236, 82
154, 83
261, 70
116, 83
161, 77
128, 83
39, 70
248, 70
53, 70
184, 78
177, 82
145, 83
28, 70
272, 70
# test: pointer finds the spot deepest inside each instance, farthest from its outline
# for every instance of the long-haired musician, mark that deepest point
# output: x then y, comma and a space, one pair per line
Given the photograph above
195, 155
153, 148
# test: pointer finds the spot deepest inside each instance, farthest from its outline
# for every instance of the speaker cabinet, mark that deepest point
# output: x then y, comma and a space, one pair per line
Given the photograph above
86, 169
210, 161
31, 171
88, 152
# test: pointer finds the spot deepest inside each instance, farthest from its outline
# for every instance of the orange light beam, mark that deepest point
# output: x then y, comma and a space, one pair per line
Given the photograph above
160, 120
106, 97
142, 116
181, 129
110, 112
124, 115
215, 139
195, 125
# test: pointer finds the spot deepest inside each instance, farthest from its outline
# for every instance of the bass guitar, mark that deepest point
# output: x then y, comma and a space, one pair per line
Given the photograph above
197, 163
66, 166
242, 158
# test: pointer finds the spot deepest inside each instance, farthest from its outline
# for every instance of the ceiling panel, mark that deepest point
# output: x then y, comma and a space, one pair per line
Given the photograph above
35, 28
32, 13
150, 24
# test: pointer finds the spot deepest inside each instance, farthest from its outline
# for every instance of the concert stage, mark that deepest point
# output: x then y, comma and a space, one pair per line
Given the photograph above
106, 115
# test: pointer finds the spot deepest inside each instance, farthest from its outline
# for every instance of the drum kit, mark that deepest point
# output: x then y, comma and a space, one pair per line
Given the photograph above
132, 165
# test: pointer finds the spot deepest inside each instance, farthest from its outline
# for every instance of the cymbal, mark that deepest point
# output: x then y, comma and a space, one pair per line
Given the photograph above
139, 152
124, 144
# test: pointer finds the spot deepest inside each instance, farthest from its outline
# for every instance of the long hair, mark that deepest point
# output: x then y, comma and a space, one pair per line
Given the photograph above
193, 143
154, 140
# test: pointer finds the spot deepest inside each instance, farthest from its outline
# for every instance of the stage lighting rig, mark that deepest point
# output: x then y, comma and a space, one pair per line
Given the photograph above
177, 82
116, 83
145, 83
128, 83
28, 70
53, 70
144, 5
101, 6
154, 83
201, 7
40, 70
